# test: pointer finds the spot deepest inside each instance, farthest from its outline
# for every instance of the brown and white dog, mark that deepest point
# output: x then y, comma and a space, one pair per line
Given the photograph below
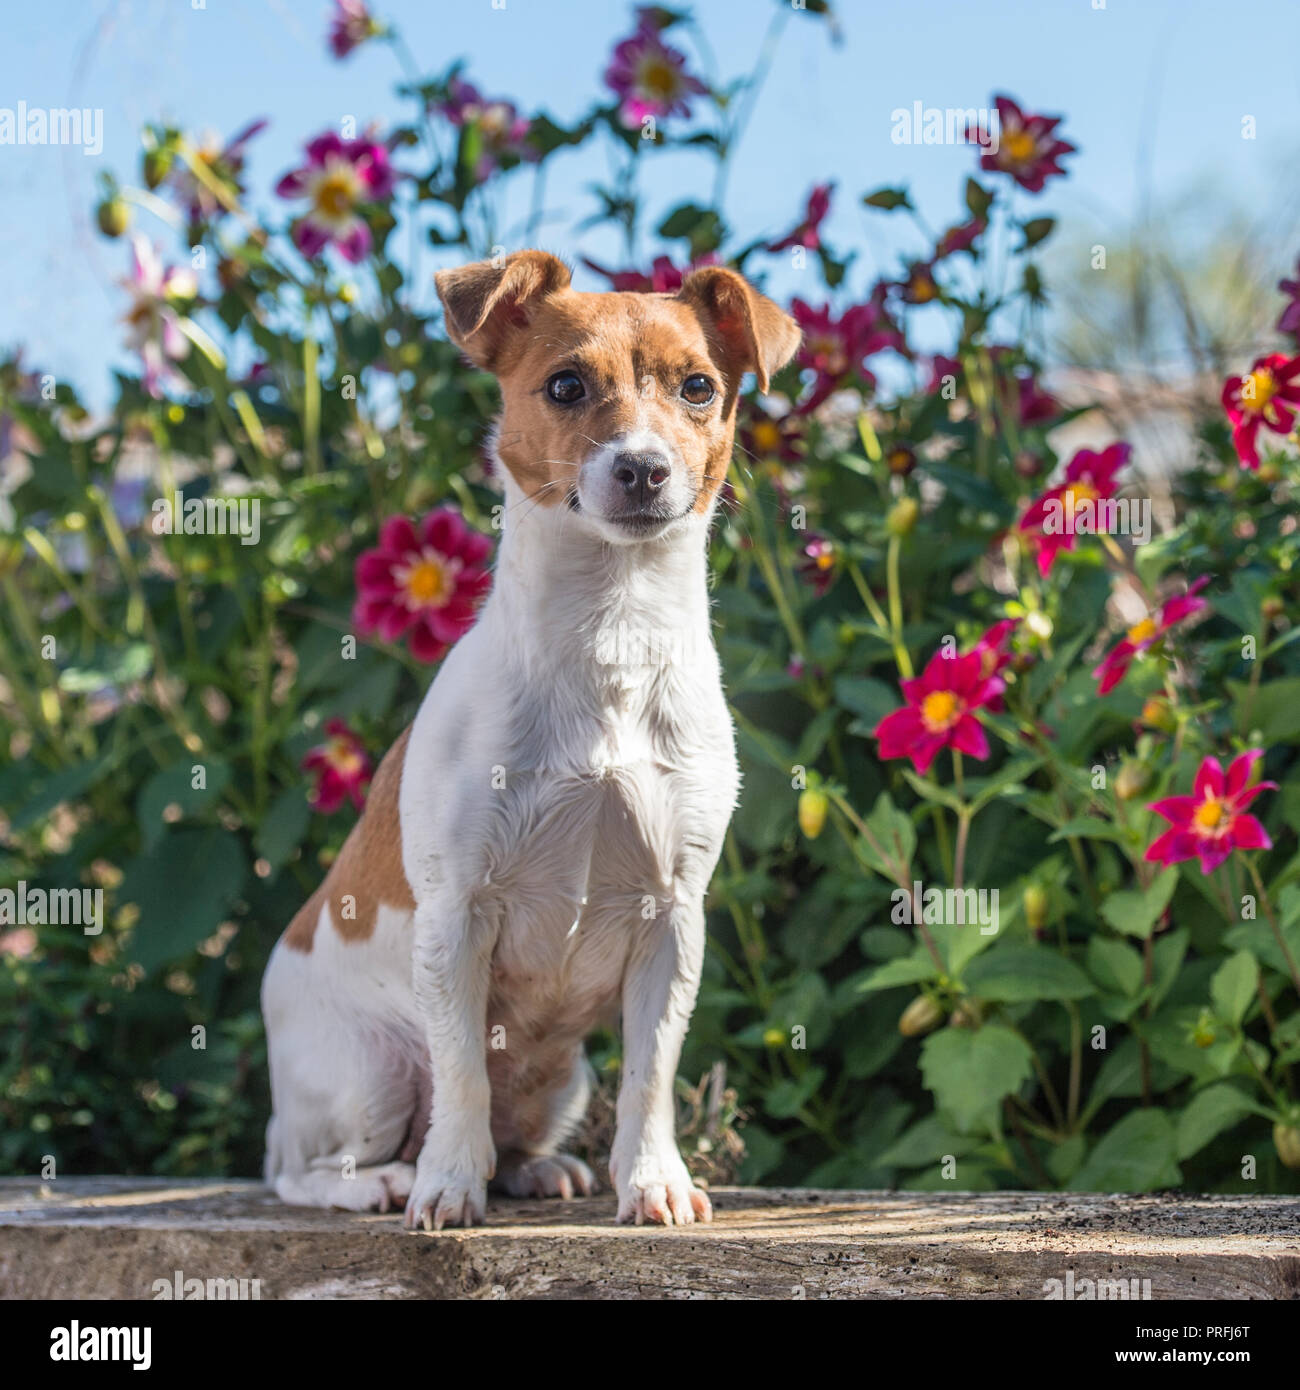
536, 847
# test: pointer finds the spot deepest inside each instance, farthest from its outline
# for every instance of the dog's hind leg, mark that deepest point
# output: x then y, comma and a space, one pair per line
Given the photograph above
542, 1170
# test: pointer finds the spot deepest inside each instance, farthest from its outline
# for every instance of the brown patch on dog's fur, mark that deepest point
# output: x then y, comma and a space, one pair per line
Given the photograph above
633, 352
369, 866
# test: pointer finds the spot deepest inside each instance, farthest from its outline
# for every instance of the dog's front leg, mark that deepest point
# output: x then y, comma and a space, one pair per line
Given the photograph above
659, 989
452, 969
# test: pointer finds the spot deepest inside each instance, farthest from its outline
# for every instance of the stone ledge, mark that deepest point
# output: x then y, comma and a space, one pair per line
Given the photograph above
113, 1237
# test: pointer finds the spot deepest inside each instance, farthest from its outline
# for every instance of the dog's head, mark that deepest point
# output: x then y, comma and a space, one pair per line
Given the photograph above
621, 407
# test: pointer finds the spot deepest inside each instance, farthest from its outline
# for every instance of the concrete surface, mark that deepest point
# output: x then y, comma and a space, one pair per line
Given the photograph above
114, 1237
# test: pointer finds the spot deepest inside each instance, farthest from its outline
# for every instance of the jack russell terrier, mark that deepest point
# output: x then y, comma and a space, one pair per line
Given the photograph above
535, 850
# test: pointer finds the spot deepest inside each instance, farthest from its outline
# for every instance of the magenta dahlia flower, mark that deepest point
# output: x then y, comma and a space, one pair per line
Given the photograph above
342, 768
350, 26
649, 76
1114, 666
835, 348
339, 179
942, 703
422, 584
1027, 146
1212, 822
502, 131
1049, 522
1264, 396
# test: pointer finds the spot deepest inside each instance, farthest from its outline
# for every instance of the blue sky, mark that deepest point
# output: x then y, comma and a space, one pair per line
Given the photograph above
1154, 93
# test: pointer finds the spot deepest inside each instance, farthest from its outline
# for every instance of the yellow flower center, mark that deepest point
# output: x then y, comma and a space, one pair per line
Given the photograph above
1142, 632
1209, 814
1258, 389
1076, 493
426, 583
1020, 146
939, 710
767, 437
344, 757
923, 289
333, 194
659, 78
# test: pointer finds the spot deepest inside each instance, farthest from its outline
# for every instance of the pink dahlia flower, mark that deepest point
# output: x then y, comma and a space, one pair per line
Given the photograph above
1212, 822
649, 76
422, 584
940, 711
1027, 146
1264, 396
1089, 478
342, 769
1114, 666
339, 178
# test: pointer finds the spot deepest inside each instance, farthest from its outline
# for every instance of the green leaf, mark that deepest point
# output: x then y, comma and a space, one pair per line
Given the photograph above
787, 1098
1234, 986
1115, 965
927, 1141
1023, 974
906, 970
184, 888
1035, 230
1211, 1112
50, 791
970, 1072
869, 699
887, 199
1136, 913
895, 835
1274, 709
978, 198
1088, 828
284, 827
1138, 1155
173, 786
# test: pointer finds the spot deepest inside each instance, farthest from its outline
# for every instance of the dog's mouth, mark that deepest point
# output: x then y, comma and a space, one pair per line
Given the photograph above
646, 522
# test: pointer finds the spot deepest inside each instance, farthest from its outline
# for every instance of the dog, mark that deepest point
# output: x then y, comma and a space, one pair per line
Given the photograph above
534, 853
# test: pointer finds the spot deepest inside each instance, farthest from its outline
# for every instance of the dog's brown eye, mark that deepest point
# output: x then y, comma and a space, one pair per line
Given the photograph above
565, 387
697, 390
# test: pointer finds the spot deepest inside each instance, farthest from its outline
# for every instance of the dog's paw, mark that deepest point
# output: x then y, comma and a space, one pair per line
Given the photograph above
387, 1186
545, 1175
441, 1199
662, 1193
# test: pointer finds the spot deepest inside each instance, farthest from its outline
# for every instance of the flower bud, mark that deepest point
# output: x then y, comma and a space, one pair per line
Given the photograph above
1272, 608
1131, 780
773, 1037
903, 516
113, 217
1028, 464
1035, 904
900, 460
921, 1016
813, 805
1158, 714
1286, 1140
157, 165
967, 1014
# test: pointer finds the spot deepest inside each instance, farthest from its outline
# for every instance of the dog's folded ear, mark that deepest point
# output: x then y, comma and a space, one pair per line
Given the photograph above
489, 300
757, 334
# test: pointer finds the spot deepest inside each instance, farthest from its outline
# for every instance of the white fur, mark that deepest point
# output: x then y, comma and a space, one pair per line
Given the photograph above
567, 786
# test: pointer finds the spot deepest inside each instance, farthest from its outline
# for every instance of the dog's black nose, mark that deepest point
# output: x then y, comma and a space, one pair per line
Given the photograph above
641, 475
